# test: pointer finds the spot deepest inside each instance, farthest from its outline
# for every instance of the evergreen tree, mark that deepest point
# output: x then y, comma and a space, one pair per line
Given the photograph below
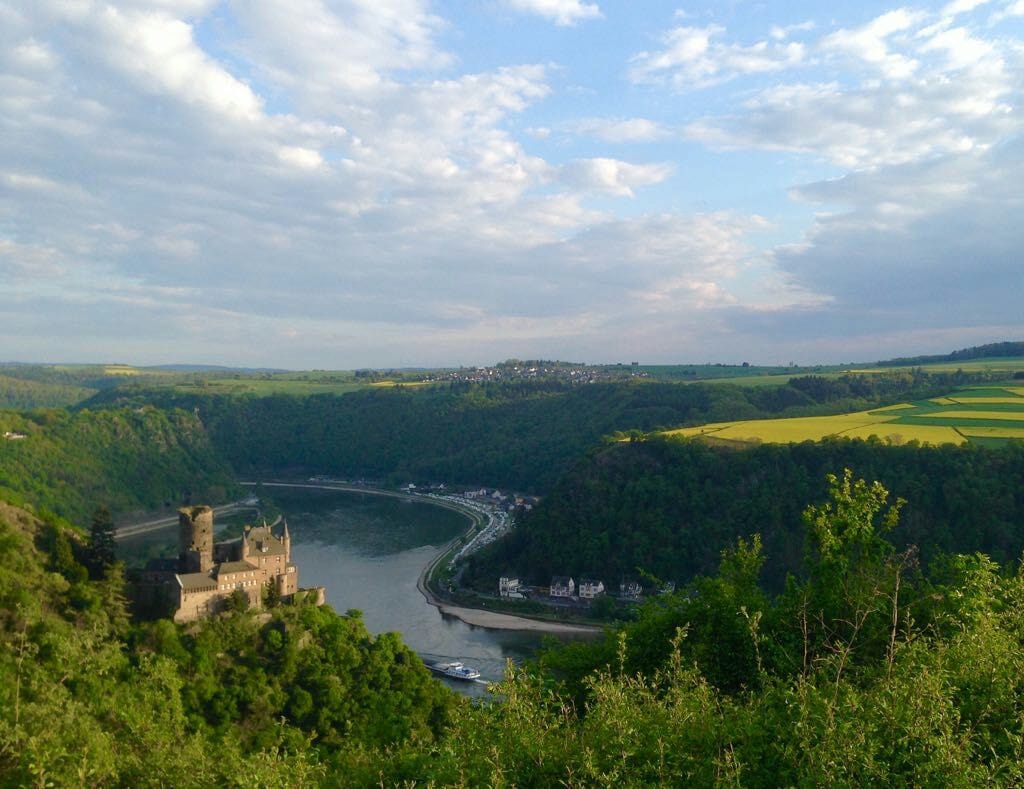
102, 549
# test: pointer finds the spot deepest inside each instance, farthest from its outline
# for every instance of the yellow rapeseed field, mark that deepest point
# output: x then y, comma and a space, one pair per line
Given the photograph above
1016, 416
785, 431
901, 434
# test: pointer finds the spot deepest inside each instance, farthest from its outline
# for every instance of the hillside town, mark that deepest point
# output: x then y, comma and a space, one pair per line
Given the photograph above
563, 372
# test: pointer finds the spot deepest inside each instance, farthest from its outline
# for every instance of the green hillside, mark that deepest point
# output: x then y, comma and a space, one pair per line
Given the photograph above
668, 506
137, 459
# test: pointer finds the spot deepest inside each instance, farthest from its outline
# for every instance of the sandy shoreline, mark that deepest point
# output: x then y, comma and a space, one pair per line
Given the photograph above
498, 621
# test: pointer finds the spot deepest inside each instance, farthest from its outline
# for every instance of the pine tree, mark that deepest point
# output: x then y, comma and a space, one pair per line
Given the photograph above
102, 550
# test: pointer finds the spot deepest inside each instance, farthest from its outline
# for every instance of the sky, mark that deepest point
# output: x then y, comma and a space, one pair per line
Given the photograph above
335, 184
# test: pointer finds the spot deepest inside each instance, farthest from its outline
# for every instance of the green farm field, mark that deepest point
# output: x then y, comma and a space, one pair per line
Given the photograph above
983, 415
298, 384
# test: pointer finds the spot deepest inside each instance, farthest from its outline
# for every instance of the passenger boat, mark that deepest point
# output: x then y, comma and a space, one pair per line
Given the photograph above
456, 670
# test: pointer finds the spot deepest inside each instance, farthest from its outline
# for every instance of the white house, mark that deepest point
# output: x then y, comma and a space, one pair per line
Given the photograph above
589, 589
508, 587
630, 590
562, 586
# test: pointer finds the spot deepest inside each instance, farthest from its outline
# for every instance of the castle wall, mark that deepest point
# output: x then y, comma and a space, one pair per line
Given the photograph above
199, 605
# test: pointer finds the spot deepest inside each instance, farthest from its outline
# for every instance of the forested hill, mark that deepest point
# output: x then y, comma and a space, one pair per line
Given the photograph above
127, 459
18, 393
992, 350
522, 435
669, 506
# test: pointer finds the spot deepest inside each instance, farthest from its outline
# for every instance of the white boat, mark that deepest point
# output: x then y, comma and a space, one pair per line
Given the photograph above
456, 670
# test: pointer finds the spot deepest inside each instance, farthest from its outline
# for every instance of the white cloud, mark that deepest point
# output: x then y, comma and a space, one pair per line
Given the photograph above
1015, 8
782, 32
33, 55
275, 180
32, 262
299, 157
960, 99
958, 7
963, 50
616, 130
870, 43
350, 48
159, 53
365, 199
612, 176
692, 58
561, 12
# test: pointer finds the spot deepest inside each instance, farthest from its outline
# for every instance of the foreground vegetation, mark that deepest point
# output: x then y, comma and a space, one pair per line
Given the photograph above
865, 669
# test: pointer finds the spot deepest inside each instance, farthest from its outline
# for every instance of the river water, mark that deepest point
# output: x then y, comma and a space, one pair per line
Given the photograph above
368, 552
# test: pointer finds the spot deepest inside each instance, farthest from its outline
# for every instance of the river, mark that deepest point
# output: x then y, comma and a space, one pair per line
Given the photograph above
368, 552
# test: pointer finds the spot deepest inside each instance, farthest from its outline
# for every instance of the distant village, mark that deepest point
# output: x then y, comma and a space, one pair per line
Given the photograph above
549, 371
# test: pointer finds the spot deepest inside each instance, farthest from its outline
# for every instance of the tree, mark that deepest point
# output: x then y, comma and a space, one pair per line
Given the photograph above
102, 549
238, 601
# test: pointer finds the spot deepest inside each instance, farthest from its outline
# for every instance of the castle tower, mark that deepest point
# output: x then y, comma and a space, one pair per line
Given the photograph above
286, 538
195, 539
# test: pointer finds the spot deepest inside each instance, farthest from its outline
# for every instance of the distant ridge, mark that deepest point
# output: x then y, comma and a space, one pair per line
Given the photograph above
994, 349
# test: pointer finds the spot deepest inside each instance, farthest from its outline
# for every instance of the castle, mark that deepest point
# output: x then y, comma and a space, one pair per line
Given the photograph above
205, 575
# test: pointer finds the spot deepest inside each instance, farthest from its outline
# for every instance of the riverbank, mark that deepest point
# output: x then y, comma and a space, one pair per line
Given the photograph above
478, 617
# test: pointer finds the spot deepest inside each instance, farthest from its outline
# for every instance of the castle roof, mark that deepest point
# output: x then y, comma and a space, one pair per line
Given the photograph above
260, 539
224, 568
196, 582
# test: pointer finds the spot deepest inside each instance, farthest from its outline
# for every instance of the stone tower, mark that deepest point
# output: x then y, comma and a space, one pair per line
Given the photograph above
195, 539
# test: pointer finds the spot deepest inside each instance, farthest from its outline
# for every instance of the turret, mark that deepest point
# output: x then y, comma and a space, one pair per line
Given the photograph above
286, 538
195, 539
